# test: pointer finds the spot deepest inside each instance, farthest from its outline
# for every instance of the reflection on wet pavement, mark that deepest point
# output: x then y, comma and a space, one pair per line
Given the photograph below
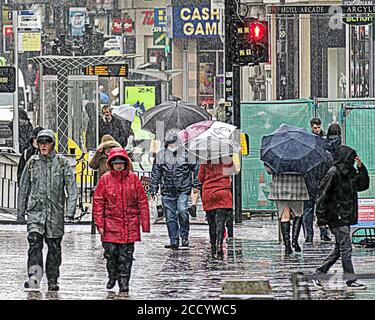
160, 273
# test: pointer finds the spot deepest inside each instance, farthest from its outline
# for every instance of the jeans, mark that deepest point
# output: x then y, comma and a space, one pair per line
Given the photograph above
35, 255
308, 221
119, 259
343, 248
177, 216
217, 219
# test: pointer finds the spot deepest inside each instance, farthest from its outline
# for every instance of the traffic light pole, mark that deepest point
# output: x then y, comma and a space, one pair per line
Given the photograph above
233, 94
16, 143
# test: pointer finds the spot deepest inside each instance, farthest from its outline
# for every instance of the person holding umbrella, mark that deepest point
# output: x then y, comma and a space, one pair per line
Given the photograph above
217, 199
176, 175
289, 153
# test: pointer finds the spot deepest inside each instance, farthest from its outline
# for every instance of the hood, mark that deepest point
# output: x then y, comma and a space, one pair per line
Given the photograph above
107, 137
333, 142
171, 137
111, 144
344, 159
119, 151
22, 114
47, 133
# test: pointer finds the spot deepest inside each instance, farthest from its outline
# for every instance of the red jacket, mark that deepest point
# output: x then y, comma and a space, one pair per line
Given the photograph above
216, 189
120, 205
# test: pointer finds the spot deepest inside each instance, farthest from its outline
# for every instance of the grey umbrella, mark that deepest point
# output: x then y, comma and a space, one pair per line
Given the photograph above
172, 115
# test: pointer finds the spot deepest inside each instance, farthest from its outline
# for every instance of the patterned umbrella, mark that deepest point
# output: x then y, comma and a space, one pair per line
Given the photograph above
209, 140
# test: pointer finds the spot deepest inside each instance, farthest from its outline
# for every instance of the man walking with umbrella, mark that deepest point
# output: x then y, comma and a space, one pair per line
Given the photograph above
176, 176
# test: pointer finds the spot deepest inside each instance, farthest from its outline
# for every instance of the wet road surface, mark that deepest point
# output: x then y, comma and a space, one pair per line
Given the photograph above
160, 273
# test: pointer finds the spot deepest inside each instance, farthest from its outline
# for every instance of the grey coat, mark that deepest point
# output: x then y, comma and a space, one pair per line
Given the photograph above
41, 196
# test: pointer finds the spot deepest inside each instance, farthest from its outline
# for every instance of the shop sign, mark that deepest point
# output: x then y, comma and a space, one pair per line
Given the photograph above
366, 210
148, 18
160, 17
196, 22
128, 25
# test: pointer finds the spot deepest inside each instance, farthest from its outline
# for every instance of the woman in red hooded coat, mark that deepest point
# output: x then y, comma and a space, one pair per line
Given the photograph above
120, 209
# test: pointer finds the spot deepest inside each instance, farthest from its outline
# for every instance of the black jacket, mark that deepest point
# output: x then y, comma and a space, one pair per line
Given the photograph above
115, 129
337, 201
174, 173
25, 156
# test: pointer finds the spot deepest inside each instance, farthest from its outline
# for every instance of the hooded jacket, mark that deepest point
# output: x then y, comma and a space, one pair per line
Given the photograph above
42, 192
337, 200
99, 160
25, 129
173, 171
27, 154
333, 143
120, 204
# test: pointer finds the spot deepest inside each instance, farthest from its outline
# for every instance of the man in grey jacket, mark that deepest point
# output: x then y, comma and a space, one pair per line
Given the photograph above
41, 198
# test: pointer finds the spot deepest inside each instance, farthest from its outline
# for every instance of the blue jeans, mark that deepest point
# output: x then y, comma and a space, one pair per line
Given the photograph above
343, 248
177, 215
308, 221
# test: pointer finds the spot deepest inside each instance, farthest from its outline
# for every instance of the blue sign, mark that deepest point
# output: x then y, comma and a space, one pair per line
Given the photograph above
77, 20
196, 22
160, 17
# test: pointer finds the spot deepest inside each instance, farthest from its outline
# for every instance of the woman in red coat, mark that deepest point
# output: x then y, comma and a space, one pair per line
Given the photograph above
120, 208
217, 200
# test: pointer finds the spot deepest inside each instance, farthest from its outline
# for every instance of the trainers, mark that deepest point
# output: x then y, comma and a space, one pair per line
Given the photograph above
193, 211
317, 283
325, 238
356, 286
31, 284
171, 246
185, 243
111, 283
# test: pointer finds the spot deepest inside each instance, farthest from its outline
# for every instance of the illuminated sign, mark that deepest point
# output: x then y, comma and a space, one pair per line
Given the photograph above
196, 22
108, 70
7, 79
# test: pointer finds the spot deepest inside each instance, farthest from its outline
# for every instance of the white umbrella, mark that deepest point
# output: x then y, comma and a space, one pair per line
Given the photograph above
124, 111
209, 140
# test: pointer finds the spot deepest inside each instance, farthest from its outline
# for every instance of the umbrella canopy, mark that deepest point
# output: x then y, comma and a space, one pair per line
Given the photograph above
291, 149
172, 115
124, 111
209, 140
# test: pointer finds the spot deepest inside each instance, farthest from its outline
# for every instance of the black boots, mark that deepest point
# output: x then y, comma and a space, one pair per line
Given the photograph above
297, 223
111, 283
123, 284
285, 231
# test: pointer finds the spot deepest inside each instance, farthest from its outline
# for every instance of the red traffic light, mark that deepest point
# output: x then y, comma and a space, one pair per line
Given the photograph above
258, 31
8, 30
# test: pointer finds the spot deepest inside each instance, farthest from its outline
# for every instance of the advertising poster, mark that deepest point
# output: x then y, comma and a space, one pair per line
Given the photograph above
77, 17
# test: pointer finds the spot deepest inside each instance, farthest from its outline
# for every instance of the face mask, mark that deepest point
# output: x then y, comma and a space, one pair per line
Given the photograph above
172, 148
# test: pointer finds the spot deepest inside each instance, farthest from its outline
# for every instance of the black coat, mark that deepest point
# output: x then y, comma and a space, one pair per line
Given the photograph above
337, 200
115, 129
25, 156
174, 173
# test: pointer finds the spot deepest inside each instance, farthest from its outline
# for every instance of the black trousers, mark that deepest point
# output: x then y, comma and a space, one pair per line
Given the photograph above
119, 259
35, 255
217, 220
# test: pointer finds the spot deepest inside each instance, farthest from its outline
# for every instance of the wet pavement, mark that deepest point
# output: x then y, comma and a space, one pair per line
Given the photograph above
160, 273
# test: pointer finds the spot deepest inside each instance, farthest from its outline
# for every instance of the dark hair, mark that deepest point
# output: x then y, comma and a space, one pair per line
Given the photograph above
106, 106
316, 121
334, 130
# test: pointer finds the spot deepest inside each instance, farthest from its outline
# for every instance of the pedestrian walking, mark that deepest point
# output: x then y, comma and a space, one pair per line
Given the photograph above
45, 182
217, 200
99, 160
110, 124
120, 208
289, 191
176, 175
312, 179
28, 153
333, 138
25, 129
337, 207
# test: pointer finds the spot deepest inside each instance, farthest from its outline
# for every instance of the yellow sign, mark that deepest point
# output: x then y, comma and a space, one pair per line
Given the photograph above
30, 41
244, 144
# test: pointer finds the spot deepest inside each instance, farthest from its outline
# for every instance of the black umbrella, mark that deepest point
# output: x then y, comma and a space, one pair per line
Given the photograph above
292, 150
172, 115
